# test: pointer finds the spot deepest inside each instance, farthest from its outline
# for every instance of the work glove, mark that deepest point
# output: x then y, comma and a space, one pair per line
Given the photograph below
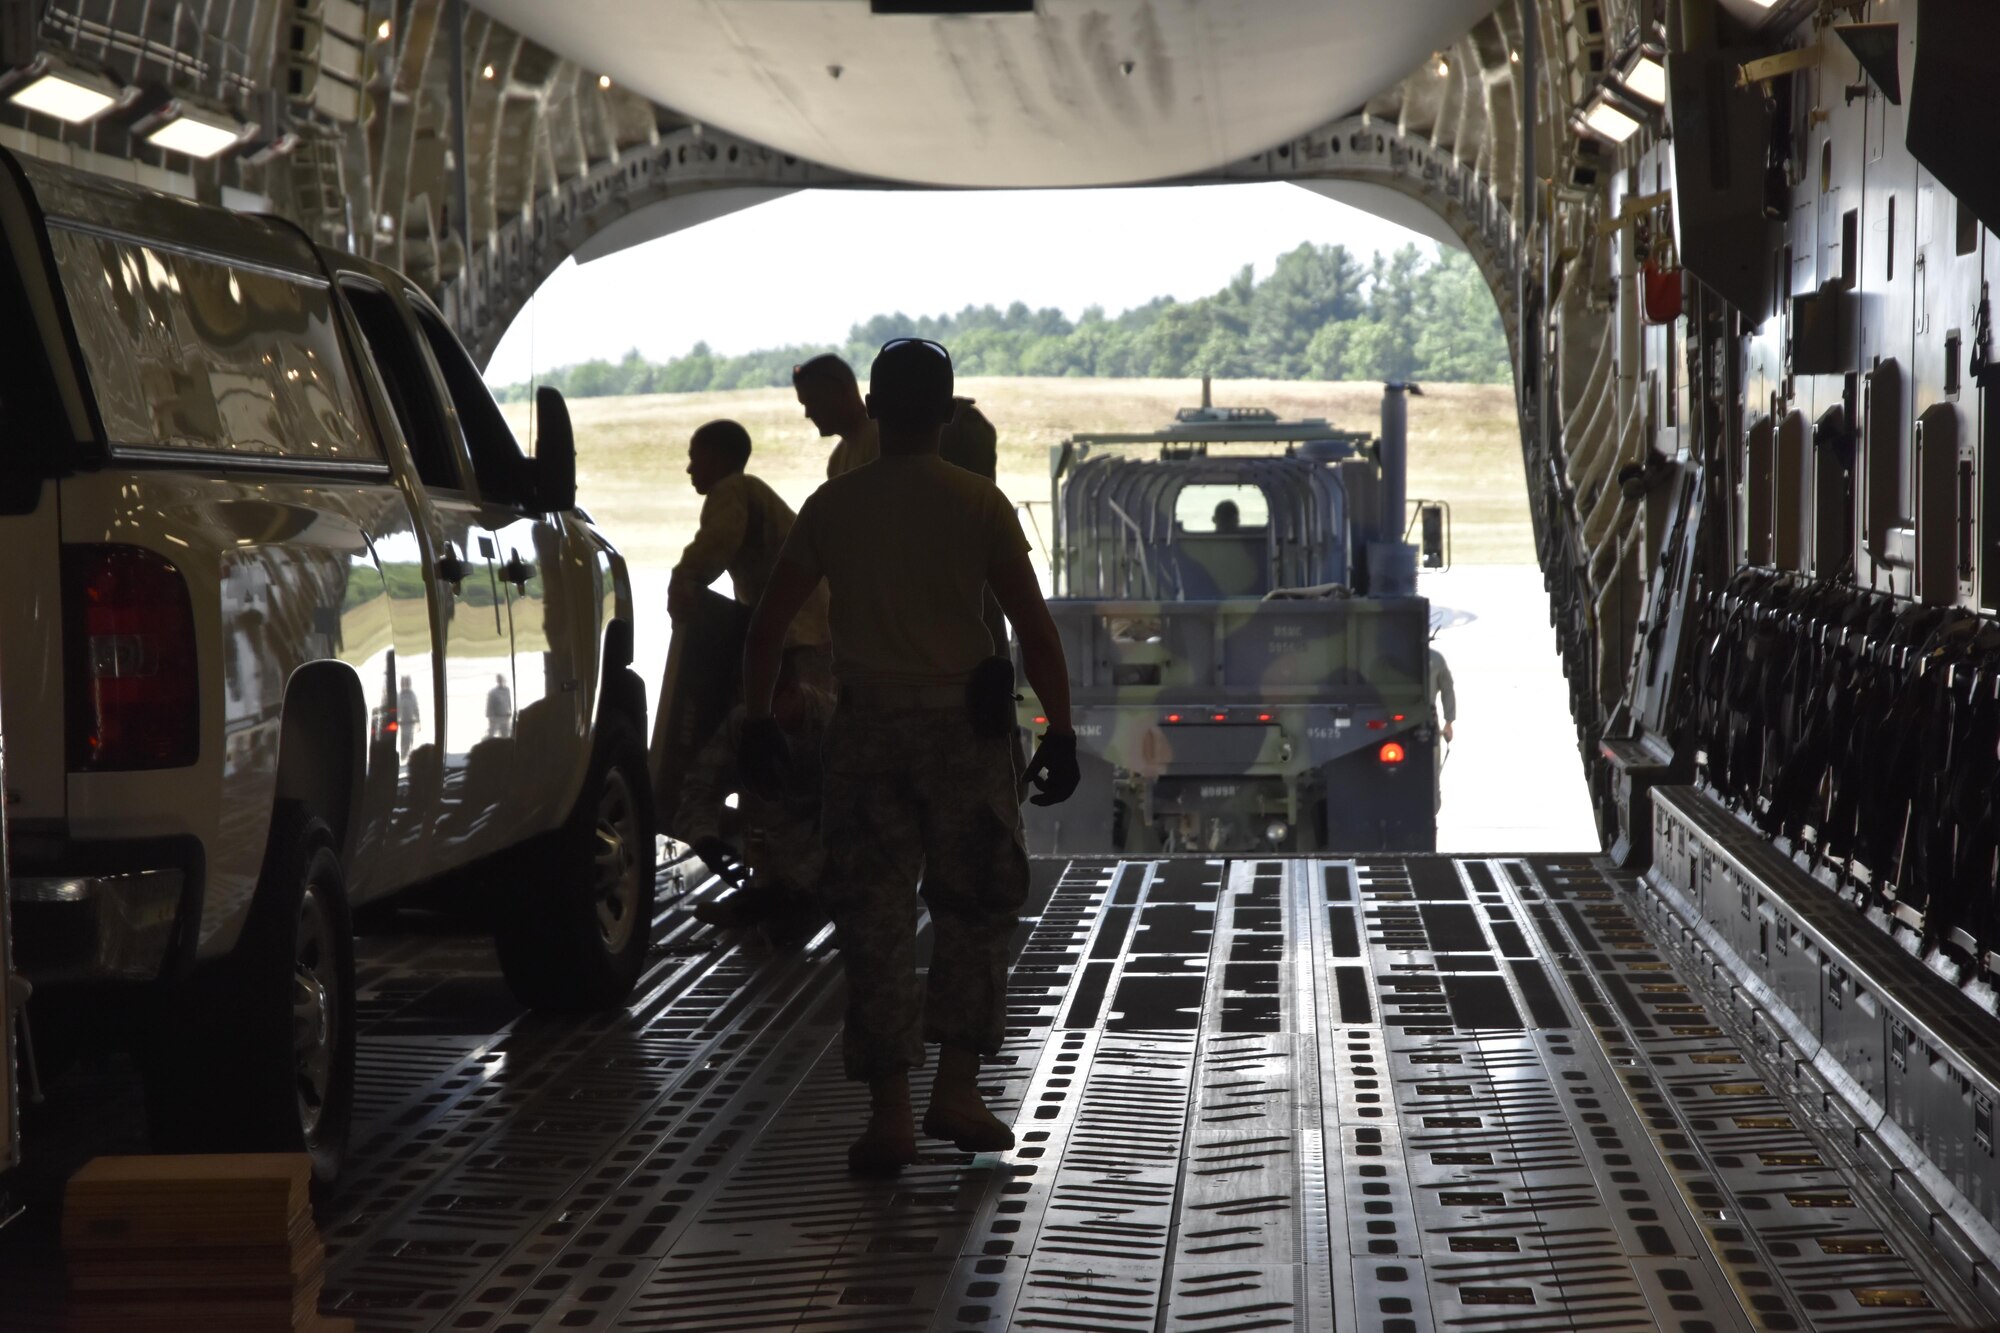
720, 857
763, 756
1053, 771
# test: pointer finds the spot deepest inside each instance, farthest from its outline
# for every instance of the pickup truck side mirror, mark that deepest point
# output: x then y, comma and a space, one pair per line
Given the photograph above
552, 472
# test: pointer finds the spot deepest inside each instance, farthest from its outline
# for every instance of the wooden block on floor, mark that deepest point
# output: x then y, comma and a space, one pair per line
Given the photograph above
216, 1243
191, 1201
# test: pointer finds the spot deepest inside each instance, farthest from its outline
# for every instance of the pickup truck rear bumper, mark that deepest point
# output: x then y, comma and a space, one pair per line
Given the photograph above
108, 911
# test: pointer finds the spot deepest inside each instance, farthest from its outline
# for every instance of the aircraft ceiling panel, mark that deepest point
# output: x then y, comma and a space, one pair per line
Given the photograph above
1080, 92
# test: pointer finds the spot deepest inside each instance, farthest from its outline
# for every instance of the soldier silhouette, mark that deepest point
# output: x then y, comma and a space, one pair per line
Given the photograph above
743, 526
832, 401
409, 716
919, 760
500, 709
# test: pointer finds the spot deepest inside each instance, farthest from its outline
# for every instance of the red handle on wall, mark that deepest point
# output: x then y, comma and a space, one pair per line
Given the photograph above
1660, 292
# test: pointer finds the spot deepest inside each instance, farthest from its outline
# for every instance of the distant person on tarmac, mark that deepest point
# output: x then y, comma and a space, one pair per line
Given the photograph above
1227, 517
500, 709
409, 716
767, 847
1442, 694
832, 401
743, 526
920, 779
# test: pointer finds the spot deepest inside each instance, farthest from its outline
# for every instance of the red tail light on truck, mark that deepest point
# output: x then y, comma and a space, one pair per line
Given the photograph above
134, 700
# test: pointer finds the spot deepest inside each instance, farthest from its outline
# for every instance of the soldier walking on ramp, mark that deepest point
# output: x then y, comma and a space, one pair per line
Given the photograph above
919, 760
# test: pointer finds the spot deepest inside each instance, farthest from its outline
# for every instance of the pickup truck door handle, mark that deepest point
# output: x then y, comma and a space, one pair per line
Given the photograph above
450, 569
517, 571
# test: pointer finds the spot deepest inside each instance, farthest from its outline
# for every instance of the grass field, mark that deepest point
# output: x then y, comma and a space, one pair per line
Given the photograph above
631, 452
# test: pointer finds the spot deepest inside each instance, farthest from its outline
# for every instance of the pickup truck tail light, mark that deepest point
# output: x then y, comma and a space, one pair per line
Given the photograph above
134, 697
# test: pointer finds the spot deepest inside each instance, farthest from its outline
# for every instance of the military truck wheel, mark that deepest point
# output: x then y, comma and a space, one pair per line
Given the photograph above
256, 1052
574, 928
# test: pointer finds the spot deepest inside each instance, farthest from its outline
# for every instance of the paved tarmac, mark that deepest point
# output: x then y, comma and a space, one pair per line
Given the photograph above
1514, 779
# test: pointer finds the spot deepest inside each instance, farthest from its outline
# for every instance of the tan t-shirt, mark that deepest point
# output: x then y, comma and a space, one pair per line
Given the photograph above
744, 524
906, 545
862, 447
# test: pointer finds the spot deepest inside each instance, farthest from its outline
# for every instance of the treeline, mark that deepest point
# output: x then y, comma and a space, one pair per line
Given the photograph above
1319, 314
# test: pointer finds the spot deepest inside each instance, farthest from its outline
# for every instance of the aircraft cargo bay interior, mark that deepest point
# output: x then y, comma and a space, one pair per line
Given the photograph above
1449, 779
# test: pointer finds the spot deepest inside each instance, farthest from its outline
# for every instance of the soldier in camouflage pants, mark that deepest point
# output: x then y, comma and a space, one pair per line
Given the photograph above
918, 764
778, 832
913, 792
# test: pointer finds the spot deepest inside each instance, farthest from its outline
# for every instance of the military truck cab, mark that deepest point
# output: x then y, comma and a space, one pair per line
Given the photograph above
1248, 657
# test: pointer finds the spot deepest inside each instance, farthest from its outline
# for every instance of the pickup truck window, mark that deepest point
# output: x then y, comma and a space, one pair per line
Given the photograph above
496, 456
192, 353
411, 395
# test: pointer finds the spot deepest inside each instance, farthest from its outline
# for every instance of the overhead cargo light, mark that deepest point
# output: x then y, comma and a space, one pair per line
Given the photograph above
180, 127
1642, 75
73, 95
1607, 121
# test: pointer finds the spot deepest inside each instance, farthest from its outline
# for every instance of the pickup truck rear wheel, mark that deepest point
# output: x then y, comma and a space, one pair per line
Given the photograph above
574, 928
257, 1051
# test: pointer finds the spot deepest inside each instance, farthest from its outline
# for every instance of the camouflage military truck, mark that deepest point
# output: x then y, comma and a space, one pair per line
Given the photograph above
1247, 651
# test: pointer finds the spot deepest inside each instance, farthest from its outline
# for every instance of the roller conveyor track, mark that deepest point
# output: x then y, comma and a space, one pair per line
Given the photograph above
1394, 1094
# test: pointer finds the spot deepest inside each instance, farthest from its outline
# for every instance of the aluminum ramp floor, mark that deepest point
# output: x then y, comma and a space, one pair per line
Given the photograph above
1397, 1094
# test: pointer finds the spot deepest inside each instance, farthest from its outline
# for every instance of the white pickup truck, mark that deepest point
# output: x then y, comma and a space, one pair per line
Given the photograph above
291, 624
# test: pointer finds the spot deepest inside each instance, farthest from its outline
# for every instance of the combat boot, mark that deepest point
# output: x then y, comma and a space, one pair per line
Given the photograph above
890, 1142
957, 1112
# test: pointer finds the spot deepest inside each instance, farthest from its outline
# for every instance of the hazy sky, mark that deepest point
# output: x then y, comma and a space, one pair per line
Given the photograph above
744, 281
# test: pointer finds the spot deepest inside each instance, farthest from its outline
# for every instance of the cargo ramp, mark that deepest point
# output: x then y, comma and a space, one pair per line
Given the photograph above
1389, 1093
